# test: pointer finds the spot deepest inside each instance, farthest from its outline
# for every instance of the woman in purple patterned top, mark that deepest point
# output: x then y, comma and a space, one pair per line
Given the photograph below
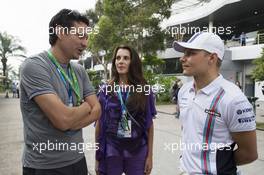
125, 129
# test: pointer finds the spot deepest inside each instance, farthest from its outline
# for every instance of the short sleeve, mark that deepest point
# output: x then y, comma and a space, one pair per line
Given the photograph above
241, 115
36, 78
151, 109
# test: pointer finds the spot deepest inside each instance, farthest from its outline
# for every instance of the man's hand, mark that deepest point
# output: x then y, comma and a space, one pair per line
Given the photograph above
96, 167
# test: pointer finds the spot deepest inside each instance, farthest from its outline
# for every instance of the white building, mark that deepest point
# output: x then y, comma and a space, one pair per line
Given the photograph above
227, 18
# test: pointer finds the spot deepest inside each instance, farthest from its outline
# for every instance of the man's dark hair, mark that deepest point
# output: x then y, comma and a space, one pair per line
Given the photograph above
64, 18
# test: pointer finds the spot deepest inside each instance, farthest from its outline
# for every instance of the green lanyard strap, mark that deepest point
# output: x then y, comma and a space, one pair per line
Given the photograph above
74, 84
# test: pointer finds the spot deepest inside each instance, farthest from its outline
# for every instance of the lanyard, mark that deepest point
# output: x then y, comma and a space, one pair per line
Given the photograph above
65, 83
70, 90
123, 107
124, 120
73, 83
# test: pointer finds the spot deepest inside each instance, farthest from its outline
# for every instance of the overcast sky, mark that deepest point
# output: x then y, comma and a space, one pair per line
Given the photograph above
29, 19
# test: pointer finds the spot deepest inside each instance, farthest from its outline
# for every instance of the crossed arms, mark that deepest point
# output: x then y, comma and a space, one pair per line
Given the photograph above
69, 118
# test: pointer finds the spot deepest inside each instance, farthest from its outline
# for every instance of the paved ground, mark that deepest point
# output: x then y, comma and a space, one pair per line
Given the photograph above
260, 111
167, 131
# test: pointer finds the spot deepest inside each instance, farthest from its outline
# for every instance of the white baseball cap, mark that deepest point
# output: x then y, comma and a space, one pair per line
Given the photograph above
207, 41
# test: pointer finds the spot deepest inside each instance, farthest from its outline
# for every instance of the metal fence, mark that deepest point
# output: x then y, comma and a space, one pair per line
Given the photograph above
260, 38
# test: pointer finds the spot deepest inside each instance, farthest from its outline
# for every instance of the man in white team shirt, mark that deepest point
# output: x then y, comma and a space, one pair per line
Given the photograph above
214, 113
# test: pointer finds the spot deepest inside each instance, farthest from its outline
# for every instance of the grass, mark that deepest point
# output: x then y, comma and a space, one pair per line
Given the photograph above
260, 126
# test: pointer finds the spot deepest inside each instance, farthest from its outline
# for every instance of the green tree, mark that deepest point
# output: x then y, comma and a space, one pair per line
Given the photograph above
167, 82
99, 8
9, 47
153, 63
101, 44
11, 74
92, 16
95, 78
95, 14
133, 22
137, 21
258, 71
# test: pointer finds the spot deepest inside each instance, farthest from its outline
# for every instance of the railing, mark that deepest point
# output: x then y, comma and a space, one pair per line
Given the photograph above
257, 39
260, 38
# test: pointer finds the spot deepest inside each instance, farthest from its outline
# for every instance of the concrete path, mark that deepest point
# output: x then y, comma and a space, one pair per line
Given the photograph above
167, 132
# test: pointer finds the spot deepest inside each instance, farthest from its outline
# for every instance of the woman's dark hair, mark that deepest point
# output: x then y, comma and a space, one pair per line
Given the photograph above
137, 100
64, 18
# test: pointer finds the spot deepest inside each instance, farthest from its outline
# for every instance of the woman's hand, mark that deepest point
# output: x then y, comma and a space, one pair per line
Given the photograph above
148, 165
96, 167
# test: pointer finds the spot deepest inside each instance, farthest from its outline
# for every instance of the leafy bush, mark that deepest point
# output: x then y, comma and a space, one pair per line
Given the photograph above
150, 77
258, 71
94, 78
166, 82
2, 89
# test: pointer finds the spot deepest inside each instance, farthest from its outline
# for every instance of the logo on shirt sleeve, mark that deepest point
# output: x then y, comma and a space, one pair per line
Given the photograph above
242, 111
246, 119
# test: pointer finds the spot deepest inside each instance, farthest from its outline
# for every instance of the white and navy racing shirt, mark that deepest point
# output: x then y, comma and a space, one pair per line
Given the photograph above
208, 117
